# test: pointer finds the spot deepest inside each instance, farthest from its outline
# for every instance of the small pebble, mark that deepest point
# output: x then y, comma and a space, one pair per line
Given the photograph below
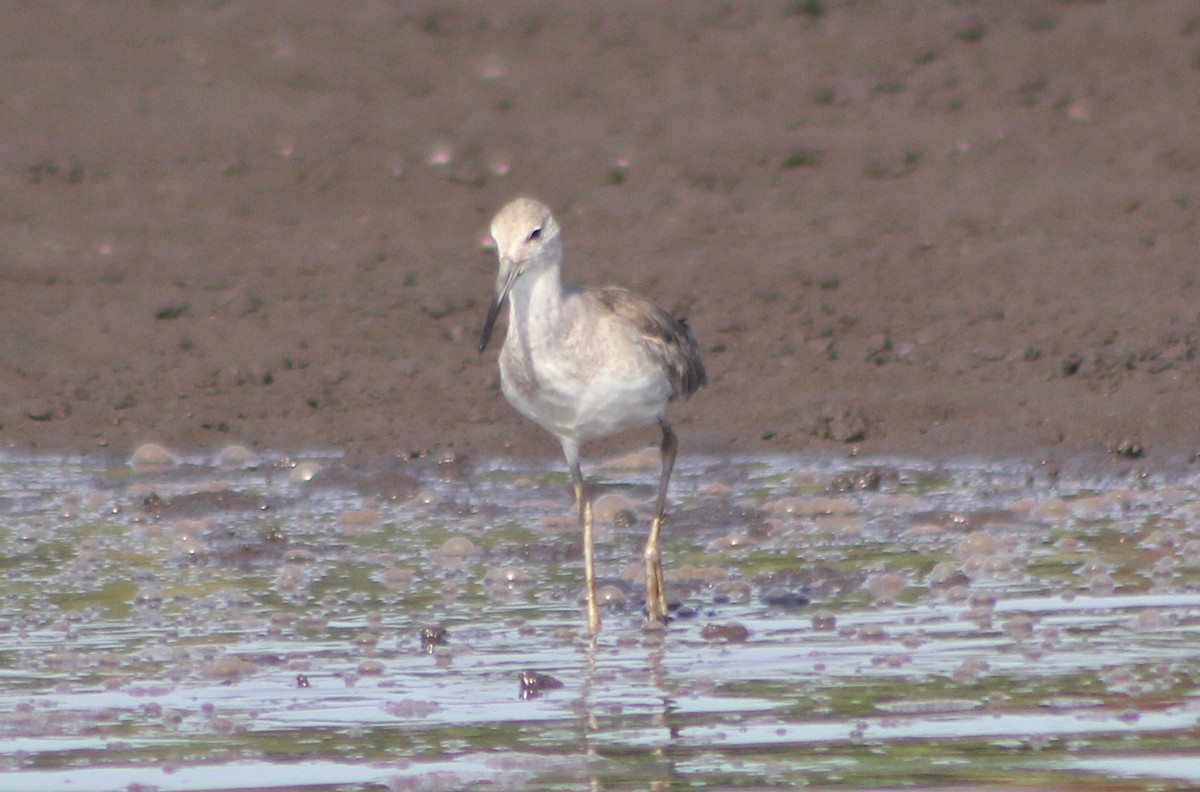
534, 683
733, 632
433, 637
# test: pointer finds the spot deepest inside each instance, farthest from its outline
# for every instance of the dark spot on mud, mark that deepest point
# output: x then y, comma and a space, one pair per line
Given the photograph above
785, 598
841, 424
202, 504
733, 632
680, 610
866, 480
433, 637
534, 683
1129, 449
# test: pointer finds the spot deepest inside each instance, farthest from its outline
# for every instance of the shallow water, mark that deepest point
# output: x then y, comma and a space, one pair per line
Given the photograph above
258, 625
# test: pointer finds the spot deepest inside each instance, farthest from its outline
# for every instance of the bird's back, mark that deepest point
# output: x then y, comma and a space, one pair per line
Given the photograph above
667, 340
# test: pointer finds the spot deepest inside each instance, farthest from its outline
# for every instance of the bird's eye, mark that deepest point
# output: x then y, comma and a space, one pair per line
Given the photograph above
535, 234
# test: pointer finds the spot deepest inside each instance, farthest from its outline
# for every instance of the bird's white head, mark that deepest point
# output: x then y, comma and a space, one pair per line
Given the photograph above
527, 240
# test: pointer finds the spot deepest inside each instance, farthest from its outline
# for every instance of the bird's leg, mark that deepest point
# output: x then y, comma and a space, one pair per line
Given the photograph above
656, 592
589, 554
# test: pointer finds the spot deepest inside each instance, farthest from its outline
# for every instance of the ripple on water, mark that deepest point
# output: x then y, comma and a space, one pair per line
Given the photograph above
129, 627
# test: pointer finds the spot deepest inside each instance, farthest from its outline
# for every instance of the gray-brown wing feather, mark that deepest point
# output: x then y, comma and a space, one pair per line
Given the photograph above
667, 339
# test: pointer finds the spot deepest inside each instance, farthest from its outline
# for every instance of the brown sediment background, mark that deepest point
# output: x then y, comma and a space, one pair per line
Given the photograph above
899, 228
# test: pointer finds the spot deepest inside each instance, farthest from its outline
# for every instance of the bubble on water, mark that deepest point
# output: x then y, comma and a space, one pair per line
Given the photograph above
428, 497
299, 555
292, 580
1050, 509
454, 552
1190, 553
303, 472
1151, 621
790, 505
1163, 569
148, 597
236, 457
977, 543
281, 619
612, 598
946, 574
188, 542
732, 542
1093, 566
151, 457
1000, 567
732, 591
886, 587
847, 526
971, 669
1102, 585
366, 639
507, 578
1019, 627
981, 605
1101, 507
872, 633
824, 621
613, 509
393, 578
972, 566
370, 668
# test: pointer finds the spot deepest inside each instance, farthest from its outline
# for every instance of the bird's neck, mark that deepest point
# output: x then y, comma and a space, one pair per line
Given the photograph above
536, 296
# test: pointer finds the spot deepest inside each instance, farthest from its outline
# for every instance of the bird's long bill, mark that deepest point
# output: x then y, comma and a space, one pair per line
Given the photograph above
490, 322
497, 303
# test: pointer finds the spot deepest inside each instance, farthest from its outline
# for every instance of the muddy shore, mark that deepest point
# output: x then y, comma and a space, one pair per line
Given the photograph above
930, 229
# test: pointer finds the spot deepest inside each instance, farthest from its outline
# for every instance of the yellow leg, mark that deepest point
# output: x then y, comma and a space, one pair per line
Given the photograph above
589, 550
656, 591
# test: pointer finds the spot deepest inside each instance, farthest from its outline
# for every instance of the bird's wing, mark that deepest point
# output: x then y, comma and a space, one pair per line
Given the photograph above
667, 339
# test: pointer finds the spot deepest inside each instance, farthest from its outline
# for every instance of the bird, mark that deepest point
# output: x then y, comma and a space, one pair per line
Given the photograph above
585, 363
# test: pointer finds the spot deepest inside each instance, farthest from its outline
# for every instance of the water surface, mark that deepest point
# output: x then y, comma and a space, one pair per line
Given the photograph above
255, 622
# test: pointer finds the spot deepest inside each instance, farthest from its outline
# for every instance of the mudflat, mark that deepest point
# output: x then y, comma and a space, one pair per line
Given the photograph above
914, 228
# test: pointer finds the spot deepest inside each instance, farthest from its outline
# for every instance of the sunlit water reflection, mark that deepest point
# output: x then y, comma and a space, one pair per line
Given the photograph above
248, 622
